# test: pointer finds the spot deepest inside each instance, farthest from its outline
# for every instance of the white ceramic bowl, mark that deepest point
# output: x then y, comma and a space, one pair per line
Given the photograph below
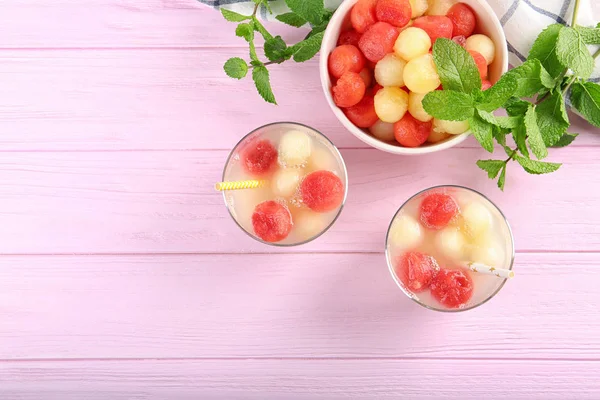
487, 23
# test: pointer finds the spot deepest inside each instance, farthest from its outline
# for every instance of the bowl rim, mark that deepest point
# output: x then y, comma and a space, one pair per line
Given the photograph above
391, 266
336, 20
335, 151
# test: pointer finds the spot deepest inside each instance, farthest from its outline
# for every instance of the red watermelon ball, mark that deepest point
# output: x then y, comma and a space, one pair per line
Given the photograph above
272, 221
452, 288
259, 157
322, 191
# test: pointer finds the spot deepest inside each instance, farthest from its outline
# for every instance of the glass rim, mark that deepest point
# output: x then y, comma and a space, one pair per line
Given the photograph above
410, 295
336, 152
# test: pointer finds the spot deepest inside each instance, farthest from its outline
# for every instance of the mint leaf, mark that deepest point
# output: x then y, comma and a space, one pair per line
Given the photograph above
500, 135
589, 35
456, 67
233, 16
306, 49
516, 107
502, 178
508, 122
448, 105
536, 142
566, 139
544, 49
261, 29
586, 99
291, 19
310, 10
260, 75
497, 95
537, 167
276, 50
573, 53
482, 131
492, 167
488, 117
236, 68
317, 29
519, 134
245, 30
531, 77
552, 118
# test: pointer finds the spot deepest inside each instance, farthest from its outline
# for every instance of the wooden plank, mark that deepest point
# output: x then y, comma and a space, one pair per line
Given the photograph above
301, 379
284, 305
157, 99
121, 24
164, 202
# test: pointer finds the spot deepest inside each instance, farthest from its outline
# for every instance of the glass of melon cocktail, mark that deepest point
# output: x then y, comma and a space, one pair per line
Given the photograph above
298, 184
449, 248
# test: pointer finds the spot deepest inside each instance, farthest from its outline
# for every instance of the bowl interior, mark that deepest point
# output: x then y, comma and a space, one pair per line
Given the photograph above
487, 23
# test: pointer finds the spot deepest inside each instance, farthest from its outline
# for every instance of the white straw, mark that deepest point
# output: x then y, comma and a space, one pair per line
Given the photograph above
486, 269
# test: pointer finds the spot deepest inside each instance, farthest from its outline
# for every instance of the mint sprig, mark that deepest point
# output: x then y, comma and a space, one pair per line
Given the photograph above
533, 95
276, 50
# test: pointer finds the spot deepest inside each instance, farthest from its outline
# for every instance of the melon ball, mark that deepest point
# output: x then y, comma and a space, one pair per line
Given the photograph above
308, 224
477, 218
451, 127
412, 43
322, 158
488, 254
483, 45
383, 131
285, 182
418, 7
389, 71
420, 74
451, 242
294, 148
436, 137
415, 107
439, 7
391, 103
406, 233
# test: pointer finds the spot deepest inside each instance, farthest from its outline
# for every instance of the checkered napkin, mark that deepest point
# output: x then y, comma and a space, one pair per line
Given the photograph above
522, 20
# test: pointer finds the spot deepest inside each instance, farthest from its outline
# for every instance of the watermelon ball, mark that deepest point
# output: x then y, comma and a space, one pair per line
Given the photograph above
350, 37
395, 12
460, 40
363, 114
480, 63
259, 157
452, 288
272, 221
485, 84
436, 26
378, 41
437, 210
322, 191
349, 90
463, 19
410, 132
346, 58
416, 270
363, 15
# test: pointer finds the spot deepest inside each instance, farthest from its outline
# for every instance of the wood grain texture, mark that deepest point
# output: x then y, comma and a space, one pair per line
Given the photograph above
284, 305
301, 380
160, 100
164, 202
120, 24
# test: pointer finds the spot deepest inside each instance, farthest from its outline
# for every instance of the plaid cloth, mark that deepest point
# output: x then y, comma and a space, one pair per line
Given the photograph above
522, 20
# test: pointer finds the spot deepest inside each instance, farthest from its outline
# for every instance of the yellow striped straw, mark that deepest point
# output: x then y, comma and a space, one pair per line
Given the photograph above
237, 185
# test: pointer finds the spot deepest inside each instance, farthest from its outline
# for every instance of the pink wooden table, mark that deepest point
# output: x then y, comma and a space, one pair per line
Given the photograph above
123, 277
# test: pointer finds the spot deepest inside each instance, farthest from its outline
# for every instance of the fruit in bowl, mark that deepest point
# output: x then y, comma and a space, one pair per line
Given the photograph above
378, 64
